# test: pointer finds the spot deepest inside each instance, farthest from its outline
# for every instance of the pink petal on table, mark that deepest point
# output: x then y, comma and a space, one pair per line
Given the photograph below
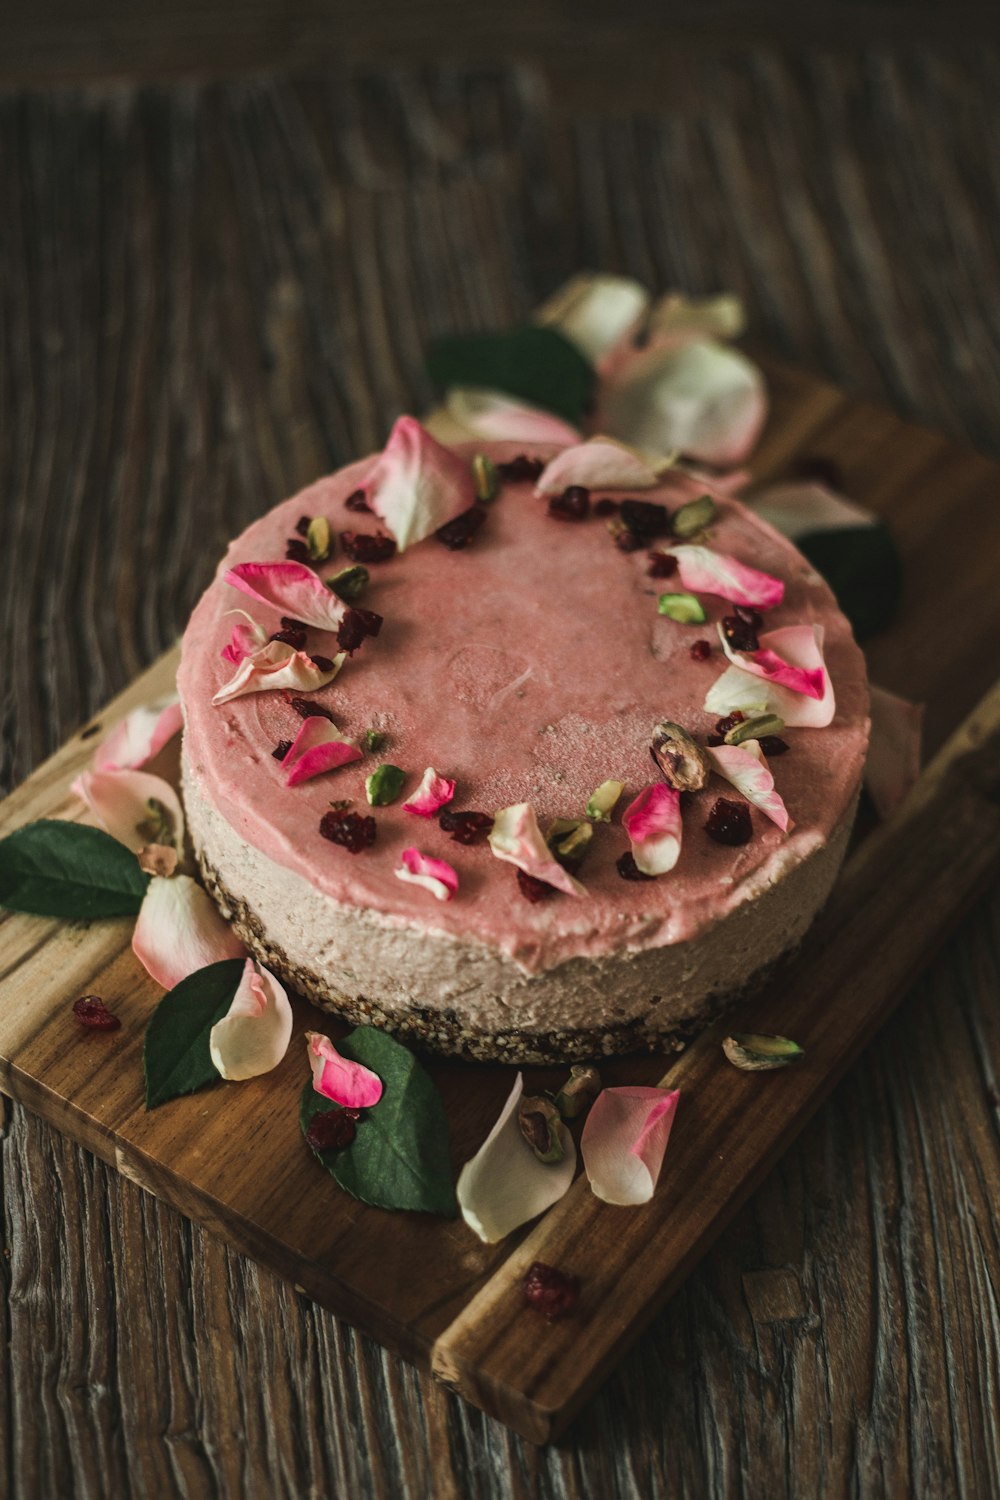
417, 484
505, 1184
433, 793
289, 588
124, 803
893, 763
517, 838
703, 571
246, 638
653, 824
435, 875
179, 930
253, 1035
495, 417
596, 311
315, 749
743, 686
278, 665
338, 1078
747, 770
624, 1140
599, 464
140, 735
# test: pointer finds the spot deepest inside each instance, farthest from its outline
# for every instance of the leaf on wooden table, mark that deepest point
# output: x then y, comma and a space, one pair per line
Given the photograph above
54, 868
536, 364
176, 1054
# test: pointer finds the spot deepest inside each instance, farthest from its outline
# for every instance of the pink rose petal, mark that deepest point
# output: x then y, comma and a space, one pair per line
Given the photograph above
121, 803
315, 749
797, 509
597, 312
289, 588
703, 571
653, 824
599, 464
179, 930
746, 769
433, 793
277, 665
746, 687
140, 735
893, 763
768, 664
253, 1035
338, 1078
246, 638
517, 838
505, 1184
435, 875
495, 417
624, 1140
417, 484
721, 317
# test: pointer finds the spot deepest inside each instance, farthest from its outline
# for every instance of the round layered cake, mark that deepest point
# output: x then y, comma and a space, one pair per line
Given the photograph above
529, 667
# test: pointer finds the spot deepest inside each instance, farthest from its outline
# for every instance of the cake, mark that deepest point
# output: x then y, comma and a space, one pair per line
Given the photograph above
529, 667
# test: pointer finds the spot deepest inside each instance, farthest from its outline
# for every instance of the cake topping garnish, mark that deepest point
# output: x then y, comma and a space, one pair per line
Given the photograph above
786, 676
350, 583
356, 626
179, 930
601, 463
645, 518
533, 889
297, 551
660, 564
750, 729
754, 1052
246, 638
319, 539
684, 608
292, 632
706, 572
466, 827
569, 839
253, 1035
307, 708
540, 1123
693, 517
700, 650
605, 507
374, 740
579, 1091
92, 1013
745, 768
281, 749
384, 785
317, 748
738, 634
357, 500
350, 830
601, 804
290, 589
624, 1141
431, 795
653, 824
773, 744
550, 1291
521, 470
457, 534
572, 505
368, 547
505, 1184
625, 539
628, 869
277, 665
347, 1083
417, 485
435, 875
303, 524
485, 478
680, 758
729, 822
517, 838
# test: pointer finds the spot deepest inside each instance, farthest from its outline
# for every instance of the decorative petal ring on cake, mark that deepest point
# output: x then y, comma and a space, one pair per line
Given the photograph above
435, 875
278, 665
517, 838
751, 685
417, 485
653, 824
289, 588
706, 572
317, 748
745, 768
601, 463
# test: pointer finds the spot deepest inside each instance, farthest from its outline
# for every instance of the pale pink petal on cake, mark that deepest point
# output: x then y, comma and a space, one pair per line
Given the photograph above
505, 1184
347, 1083
517, 838
653, 824
601, 463
433, 793
289, 588
740, 687
140, 735
278, 665
435, 875
135, 807
179, 930
253, 1035
772, 667
495, 417
893, 763
245, 638
703, 571
624, 1141
745, 768
317, 748
417, 484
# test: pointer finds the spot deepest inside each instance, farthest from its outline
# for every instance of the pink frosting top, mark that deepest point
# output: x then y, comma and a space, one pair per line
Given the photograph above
530, 667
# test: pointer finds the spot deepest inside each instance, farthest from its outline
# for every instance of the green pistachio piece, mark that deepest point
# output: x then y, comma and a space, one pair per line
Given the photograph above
318, 539
694, 516
601, 803
684, 608
756, 1053
350, 583
754, 729
485, 477
569, 839
384, 785
374, 740
540, 1124
579, 1091
683, 762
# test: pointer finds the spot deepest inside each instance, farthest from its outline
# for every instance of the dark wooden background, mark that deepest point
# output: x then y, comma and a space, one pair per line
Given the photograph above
210, 292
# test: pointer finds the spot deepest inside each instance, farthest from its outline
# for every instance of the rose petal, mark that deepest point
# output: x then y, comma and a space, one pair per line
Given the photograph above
505, 1184
624, 1141
721, 317
517, 838
253, 1035
893, 763
745, 768
596, 312
179, 930
289, 588
315, 749
277, 665
433, 793
601, 463
653, 824
246, 638
417, 484
768, 663
121, 803
435, 875
140, 735
703, 571
741, 688
493, 416
348, 1083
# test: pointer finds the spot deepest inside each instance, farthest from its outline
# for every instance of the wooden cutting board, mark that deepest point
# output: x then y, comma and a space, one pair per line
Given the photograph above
233, 1159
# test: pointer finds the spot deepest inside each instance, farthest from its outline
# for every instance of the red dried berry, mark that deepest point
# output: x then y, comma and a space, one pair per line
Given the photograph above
297, 551
91, 1012
661, 565
627, 541
751, 617
332, 1130
292, 636
572, 505
605, 507
457, 534
723, 726
740, 635
356, 626
348, 829
281, 749
358, 500
466, 827
729, 822
550, 1291
303, 524
533, 889
521, 469
322, 663
645, 518
306, 708
628, 869
365, 547
772, 744
700, 650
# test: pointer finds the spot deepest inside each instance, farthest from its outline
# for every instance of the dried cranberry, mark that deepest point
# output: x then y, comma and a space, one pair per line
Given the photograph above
356, 626
358, 500
605, 507
521, 469
332, 1130
772, 744
91, 1011
533, 889
465, 827
294, 636
303, 524
350, 830
297, 551
628, 869
729, 822
751, 617
572, 505
700, 650
307, 709
322, 663
661, 565
645, 518
740, 635
281, 749
627, 541
723, 726
366, 547
551, 1291
458, 533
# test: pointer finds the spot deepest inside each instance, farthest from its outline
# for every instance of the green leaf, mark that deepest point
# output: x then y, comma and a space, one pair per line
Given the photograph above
862, 565
399, 1157
175, 1055
58, 869
533, 363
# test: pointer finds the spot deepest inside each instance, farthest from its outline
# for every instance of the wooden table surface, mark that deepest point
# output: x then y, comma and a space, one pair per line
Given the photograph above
209, 294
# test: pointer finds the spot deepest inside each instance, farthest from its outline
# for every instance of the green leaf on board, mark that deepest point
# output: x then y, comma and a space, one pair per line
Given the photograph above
532, 363
55, 868
175, 1055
